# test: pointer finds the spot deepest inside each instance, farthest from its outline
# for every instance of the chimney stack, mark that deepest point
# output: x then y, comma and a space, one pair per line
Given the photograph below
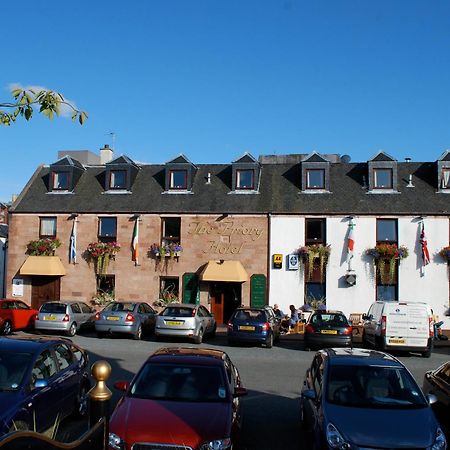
106, 154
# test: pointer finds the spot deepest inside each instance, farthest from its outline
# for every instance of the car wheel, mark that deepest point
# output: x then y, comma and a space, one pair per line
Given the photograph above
18, 425
231, 343
137, 336
427, 353
269, 341
213, 332
82, 402
101, 334
72, 331
7, 328
199, 338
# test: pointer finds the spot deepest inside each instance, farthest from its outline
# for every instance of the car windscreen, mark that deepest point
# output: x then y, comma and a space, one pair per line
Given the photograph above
56, 308
373, 387
180, 382
336, 320
13, 367
250, 315
178, 312
117, 307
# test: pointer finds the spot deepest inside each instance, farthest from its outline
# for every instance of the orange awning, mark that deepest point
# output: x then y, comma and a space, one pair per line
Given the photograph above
224, 271
42, 265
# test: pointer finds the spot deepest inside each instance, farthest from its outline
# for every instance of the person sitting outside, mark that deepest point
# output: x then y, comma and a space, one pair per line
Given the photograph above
278, 313
294, 316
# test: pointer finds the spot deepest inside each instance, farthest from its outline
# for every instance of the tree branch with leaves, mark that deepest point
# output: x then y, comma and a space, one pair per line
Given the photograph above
27, 100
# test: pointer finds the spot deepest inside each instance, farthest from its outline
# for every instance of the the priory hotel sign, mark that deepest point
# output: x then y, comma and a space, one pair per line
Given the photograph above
222, 236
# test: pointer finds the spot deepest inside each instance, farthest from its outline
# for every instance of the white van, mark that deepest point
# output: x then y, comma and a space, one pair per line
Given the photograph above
399, 326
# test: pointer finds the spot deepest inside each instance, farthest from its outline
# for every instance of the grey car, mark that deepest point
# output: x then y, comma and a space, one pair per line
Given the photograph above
185, 320
64, 316
135, 318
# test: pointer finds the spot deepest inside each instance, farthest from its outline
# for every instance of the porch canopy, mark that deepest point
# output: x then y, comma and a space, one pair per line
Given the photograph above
42, 265
224, 271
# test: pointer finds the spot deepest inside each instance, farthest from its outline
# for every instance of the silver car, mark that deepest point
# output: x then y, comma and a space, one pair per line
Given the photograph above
64, 316
184, 320
133, 318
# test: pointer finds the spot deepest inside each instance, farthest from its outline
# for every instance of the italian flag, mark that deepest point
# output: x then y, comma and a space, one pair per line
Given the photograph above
135, 242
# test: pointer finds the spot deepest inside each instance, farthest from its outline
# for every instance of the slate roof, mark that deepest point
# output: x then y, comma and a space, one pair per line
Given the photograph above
279, 193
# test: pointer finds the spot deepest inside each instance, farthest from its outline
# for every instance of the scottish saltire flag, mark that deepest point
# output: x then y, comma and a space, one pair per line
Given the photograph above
73, 244
350, 242
424, 245
135, 242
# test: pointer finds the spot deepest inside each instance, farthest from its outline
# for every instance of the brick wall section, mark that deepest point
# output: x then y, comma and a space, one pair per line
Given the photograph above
203, 238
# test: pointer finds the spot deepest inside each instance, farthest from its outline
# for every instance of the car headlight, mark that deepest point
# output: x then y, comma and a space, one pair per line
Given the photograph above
334, 438
116, 442
439, 442
218, 444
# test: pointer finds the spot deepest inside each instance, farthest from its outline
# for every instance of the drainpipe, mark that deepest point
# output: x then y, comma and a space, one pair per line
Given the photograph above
269, 228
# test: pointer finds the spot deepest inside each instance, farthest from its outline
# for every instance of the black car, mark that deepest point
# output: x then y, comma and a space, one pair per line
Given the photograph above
42, 380
364, 399
437, 382
328, 329
253, 325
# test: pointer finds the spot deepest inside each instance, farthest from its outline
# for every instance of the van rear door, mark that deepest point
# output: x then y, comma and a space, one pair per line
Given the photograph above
397, 325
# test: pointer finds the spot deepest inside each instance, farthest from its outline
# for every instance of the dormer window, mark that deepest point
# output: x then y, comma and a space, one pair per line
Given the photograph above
61, 181
178, 179
245, 179
446, 178
382, 178
315, 178
118, 179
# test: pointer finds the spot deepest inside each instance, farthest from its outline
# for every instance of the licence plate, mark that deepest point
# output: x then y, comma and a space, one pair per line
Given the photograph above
174, 323
328, 331
397, 341
49, 318
246, 328
113, 318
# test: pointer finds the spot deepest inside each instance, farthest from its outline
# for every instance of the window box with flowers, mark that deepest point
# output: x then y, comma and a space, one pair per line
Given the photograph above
100, 254
43, 247
313, 254
172, 250
445, 254
387, 255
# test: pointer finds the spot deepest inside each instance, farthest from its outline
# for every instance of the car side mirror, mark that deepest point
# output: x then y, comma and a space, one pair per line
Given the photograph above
239, 392
365, 317
310, 394
40, 384
431, 399
122, 385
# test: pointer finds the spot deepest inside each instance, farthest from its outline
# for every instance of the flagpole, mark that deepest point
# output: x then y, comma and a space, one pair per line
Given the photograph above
350, 257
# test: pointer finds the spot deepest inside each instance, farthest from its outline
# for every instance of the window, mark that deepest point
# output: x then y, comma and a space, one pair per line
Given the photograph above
178, 179
45, 367
106, 285
315, 179
86, 309
169, 289
386, 230
47, 227
75, 308
63, 356
60, 180
171, 230
245, 179
118, 179
382, 178
446, 179
314, 291
107, 229
315, 231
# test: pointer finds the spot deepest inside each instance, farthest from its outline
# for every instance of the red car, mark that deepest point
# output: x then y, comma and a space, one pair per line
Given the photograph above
16, 315
181, 398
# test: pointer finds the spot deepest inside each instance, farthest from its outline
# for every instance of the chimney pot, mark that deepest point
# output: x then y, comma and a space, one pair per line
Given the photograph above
106, 154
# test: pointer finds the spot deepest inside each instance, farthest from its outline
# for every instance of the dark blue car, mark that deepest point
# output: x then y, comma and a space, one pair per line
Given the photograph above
42, 380
364, 399
253, 325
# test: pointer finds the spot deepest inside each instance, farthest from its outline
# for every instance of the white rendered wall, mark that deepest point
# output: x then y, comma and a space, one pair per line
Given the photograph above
286, 286
430, 285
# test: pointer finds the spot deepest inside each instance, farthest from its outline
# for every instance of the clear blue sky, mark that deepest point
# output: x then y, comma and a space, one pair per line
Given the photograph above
215, 78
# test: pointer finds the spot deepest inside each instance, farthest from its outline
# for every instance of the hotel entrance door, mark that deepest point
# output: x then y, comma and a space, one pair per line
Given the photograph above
225, 298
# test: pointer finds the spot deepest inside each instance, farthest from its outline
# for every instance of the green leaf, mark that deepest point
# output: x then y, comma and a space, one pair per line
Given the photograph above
81, 118
16, 92
28, 113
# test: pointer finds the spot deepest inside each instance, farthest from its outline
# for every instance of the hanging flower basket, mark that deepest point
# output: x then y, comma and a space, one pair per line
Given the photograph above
100, 254
387, 255
43, 247
445, 254
313, 253
171, 250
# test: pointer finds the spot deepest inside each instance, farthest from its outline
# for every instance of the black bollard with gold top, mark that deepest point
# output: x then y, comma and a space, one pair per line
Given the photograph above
100, 397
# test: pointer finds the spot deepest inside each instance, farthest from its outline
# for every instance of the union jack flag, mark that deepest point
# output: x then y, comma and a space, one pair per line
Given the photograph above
424, 244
